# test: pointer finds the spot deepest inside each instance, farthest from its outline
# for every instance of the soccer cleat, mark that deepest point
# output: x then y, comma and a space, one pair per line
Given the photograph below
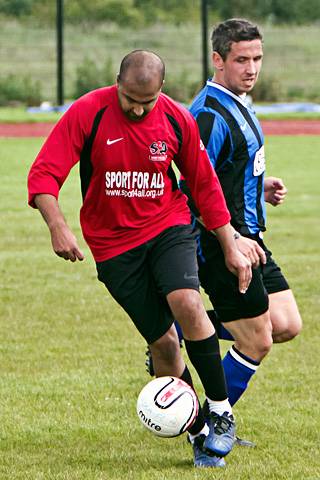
221, 437
149, 363
241, 442
244, 443
201, 458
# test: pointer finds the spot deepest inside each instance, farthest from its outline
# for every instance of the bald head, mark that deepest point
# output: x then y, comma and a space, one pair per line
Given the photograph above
139, 83
143, 68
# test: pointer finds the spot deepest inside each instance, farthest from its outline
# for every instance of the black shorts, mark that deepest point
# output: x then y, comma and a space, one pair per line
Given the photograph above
222, 286
140, 279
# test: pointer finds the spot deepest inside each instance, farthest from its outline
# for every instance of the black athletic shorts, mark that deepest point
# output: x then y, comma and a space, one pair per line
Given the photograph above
222, 286
140, 279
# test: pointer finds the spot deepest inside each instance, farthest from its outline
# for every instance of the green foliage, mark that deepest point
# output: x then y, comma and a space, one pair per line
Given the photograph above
173, 11
90, 76
274, 11
121, 12
181, 87
142, 12
16, 8
291, 58
267, 89
22, 89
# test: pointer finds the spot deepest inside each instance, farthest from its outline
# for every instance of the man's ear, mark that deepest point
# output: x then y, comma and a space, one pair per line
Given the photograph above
118, 78
217, 61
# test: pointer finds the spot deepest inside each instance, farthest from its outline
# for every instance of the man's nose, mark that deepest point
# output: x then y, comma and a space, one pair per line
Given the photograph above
251, 67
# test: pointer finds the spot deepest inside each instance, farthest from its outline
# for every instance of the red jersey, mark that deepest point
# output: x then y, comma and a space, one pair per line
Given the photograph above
130, 193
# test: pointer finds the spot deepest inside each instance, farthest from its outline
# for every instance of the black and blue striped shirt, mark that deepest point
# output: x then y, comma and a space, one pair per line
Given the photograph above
234, 140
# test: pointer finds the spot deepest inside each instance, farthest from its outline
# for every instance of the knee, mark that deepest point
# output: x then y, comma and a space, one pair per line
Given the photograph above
264, 345
187, 307
261, 345
185, 303
288, 331
257, 344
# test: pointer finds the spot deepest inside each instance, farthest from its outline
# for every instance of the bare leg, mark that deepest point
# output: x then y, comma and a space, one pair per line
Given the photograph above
166, 355
189, 311
285, 316
253, 336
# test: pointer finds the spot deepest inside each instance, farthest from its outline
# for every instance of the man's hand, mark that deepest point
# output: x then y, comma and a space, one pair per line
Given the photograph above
239, 265
64, 243
251, 250
274, 190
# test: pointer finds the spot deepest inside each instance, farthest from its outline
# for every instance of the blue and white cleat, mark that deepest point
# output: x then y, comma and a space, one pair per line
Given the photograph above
245, 443
221, 437
202, 459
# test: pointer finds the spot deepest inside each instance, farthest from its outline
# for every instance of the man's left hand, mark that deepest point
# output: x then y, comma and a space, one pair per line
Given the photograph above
274, 190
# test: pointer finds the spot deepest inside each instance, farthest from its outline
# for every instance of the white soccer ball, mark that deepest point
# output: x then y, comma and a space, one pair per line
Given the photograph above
167, 406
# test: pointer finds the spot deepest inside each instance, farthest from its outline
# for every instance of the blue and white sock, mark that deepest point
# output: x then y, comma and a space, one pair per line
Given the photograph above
238, 369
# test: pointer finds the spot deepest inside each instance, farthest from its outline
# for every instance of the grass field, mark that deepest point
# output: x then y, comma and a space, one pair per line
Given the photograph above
72, 364
291, 53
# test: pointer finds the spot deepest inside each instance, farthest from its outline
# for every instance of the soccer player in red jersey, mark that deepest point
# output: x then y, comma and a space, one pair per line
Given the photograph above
136, 222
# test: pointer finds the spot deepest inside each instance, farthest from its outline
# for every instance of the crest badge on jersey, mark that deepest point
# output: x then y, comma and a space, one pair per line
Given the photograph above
259, 163
158, 151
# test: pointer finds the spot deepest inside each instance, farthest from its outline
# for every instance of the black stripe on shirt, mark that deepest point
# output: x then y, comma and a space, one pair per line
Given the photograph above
85, 155
251, 123
178, 133
205, 121
232, 182
253, 127
176, 128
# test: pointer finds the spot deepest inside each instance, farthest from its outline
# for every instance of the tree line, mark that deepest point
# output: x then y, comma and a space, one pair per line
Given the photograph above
144, 12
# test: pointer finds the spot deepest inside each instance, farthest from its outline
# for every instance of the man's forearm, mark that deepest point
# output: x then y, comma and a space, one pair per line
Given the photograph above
49, 209
226, 237
64, 243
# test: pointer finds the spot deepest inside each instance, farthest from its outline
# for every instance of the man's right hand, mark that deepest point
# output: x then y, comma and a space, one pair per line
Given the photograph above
64, 243
251, 250
235, 261
240, 266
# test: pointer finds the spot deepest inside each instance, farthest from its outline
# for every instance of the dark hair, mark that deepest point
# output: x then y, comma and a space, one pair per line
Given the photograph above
230, 31
138, 58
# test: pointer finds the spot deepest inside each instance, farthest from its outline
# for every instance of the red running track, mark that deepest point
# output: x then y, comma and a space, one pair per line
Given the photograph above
270, 127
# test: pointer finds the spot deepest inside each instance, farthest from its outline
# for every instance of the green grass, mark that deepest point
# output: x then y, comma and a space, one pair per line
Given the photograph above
72, 364
291, 53
20, 115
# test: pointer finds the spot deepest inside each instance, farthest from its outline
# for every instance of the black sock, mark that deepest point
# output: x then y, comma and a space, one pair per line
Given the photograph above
206, 359
199, 423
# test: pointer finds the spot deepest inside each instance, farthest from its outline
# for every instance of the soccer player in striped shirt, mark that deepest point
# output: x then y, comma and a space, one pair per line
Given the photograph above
267, 313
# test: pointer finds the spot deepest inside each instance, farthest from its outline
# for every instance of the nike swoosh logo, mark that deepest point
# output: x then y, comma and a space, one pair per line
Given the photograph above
189, 277
244, 126
110, 142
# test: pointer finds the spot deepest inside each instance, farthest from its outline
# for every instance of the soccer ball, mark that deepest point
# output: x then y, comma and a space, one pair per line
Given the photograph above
167, 406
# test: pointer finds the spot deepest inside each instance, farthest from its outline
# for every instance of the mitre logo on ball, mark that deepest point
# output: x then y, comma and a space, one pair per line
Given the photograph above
167, 406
